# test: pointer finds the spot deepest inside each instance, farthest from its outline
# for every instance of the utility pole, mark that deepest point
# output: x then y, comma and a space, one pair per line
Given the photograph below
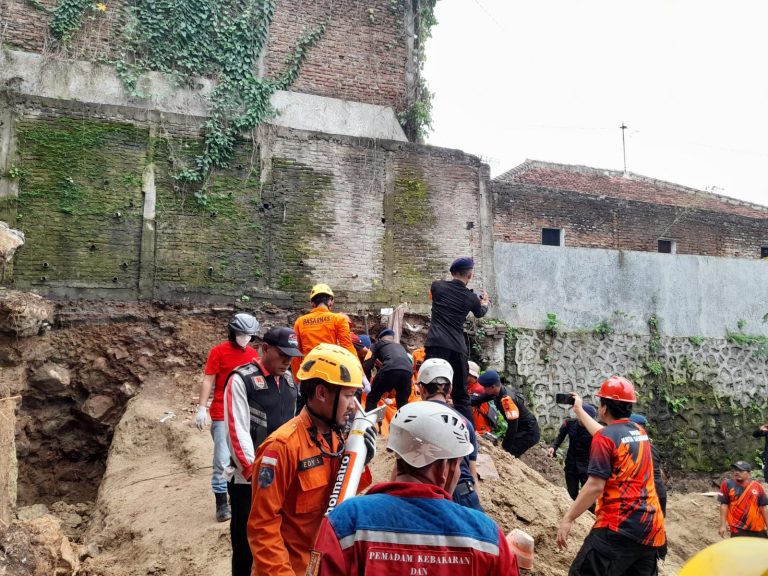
624, 146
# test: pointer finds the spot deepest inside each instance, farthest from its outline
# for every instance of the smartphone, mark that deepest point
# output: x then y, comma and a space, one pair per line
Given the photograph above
564, 398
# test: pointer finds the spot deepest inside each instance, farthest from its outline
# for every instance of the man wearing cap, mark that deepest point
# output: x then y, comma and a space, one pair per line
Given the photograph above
259, 397
394, 370
522, 427
743, 504
577, 456
451, 302
628, 536
321, 325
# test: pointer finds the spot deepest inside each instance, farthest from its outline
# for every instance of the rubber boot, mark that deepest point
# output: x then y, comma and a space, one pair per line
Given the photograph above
223, 513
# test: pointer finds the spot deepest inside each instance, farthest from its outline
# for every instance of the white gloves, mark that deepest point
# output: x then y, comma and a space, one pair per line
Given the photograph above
201, 420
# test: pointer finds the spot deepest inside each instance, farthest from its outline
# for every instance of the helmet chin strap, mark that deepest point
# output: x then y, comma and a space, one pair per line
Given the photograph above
332, 424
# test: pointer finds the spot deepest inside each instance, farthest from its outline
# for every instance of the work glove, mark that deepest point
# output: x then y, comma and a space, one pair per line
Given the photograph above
370, 444
201, 420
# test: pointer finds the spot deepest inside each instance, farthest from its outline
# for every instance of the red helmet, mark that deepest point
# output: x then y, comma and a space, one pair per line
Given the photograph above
617, 388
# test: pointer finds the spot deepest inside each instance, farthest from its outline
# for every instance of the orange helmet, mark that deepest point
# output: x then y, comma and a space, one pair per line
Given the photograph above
617, 388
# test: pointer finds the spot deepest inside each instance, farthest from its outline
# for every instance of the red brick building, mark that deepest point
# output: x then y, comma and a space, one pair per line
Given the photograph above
557, 204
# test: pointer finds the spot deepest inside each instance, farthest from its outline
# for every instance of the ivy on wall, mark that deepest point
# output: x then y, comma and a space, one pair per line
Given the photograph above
187, 39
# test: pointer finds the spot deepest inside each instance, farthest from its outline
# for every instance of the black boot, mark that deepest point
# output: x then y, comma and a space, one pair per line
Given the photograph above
223, 512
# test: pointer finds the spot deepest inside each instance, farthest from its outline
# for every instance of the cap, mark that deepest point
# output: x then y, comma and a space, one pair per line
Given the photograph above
638, 419
285, 339
591, 410
489, 378
385, 332
742, 465
366, 340
462, 264
474, 369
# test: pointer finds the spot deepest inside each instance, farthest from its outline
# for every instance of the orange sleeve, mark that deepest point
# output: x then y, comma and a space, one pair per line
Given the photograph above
296, 362
342, 334
270, 555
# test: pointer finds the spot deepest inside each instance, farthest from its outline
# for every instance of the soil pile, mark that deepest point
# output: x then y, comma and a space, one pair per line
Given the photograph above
37, 547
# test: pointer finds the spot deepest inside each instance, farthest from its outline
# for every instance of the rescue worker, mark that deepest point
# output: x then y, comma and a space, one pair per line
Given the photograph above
394, 372
763, 431
259, 398
410, 525
577, 456
321, 325
435, 380
295, 466
743, 504
473, 372
658, 472
451, 302
628, 536
222, 359
522, 427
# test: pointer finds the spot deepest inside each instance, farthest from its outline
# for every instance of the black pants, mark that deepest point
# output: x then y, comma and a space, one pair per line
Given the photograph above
606, 553
240, 502
458, 362
749, 533
400, 380
466, 495
574, 480
518, 440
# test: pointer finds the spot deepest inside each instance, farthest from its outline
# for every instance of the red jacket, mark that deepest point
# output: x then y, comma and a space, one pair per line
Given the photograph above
401, 528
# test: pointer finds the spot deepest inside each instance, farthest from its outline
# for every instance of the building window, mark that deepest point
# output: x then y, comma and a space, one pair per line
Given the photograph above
667, 247
552, 236
764, 252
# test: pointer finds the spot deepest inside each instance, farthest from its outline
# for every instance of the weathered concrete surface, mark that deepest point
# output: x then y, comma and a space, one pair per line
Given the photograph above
34, 75
690, 295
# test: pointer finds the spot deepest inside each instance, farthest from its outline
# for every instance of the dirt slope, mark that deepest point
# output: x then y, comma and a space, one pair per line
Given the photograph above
154, 513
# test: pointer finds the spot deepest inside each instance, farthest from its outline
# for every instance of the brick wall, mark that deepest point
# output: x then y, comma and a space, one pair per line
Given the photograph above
522, 210
362, 56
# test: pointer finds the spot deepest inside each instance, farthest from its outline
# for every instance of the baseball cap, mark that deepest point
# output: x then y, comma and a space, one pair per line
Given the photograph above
742, 465
638, 419
461, 264
285, 339
489, 378
386, 332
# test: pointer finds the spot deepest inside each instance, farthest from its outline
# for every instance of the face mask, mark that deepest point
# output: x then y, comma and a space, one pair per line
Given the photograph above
242, 340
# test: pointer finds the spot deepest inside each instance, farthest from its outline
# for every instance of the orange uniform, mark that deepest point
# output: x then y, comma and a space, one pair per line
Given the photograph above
318, 326
292, 482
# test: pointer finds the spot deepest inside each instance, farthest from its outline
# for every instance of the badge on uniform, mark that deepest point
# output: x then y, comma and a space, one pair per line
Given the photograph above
267, 468
259, 382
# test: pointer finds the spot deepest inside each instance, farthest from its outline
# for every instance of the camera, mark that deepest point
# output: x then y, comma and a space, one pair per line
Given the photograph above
564, 398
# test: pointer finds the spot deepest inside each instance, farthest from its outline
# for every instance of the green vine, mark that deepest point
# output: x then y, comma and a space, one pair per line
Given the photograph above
187, 39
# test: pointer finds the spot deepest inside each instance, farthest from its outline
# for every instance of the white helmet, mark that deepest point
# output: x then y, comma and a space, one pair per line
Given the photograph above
473, 368
423, 432
433, 368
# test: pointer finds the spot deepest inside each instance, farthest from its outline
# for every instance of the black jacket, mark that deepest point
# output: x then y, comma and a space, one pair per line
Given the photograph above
757, 434
451, 302
392, 356
579, 443
526, 421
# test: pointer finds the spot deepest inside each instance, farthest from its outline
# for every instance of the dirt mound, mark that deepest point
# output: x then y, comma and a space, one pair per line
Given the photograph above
37, 547
154, 512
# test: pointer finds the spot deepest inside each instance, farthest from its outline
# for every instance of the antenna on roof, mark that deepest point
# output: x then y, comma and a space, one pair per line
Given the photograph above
624, 146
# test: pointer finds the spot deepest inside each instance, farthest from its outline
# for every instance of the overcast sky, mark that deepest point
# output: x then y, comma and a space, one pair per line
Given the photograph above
554, 79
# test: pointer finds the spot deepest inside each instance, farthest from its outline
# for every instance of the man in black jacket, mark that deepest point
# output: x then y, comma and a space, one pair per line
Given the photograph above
763, 431
522, 428
394, 370
577, 456
451, 302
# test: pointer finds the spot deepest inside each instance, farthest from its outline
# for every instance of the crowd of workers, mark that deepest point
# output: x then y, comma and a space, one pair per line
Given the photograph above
280, 420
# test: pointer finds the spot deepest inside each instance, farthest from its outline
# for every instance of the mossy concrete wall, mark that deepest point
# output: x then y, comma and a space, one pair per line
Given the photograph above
104, 215
702, 397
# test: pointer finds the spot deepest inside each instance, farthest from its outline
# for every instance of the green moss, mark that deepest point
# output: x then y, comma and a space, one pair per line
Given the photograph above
410, 204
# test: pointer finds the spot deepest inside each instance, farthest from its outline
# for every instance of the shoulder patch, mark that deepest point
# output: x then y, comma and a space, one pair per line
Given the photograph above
259, 382
266, 476
309, 463
247, 369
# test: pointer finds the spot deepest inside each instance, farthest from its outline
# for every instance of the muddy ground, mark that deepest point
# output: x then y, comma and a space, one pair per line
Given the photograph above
133, 374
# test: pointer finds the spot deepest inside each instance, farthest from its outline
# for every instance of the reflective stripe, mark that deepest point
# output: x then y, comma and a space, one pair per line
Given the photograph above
419, 540
269, 461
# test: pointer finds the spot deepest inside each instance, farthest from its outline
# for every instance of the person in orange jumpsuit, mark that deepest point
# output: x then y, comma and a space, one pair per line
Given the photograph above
321, 325
295, 466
